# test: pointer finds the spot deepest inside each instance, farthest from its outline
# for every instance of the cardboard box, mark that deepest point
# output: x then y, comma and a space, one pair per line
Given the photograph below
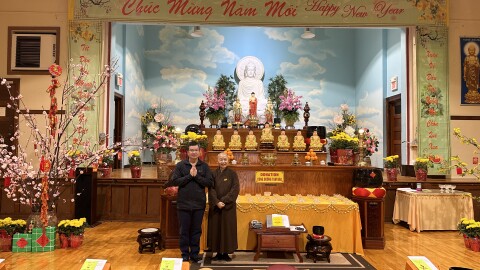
43, 242
22, 242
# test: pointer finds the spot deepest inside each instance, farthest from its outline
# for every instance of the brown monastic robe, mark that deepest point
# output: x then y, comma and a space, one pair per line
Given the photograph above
222, 223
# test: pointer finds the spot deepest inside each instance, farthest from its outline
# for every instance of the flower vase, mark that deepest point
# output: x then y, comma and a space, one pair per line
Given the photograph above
421, 174
136, 171
289, 124
368, 161
5, 241
104, 172
63, 240
76, 240
391, 174
466, 241
474, 244
162, 158
214, 120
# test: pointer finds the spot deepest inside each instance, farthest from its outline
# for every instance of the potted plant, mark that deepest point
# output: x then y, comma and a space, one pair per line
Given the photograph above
135, 162
421, 166
276, 88
391, 167
71, 232
215, 104
462, 229
153, 119
8, 227
343, 148
289, 105
164, 142
106, 162
472, 230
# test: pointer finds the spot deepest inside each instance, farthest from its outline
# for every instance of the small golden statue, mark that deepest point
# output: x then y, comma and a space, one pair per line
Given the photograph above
218, 142
315, 142
282, 141
299, 142
235, 143
251, 142
267, 136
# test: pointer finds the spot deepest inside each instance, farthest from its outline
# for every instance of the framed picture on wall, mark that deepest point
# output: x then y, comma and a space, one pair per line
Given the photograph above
470, 70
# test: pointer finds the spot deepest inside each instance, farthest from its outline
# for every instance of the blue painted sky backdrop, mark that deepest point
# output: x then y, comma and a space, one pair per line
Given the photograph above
338, 66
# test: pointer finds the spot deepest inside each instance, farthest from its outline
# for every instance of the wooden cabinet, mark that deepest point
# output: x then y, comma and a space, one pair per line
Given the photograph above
277, 240
372, 216
169, 222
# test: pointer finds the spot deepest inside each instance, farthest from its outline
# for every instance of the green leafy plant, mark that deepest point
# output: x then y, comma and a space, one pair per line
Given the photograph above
342, 140
11, 226
134, 158
462, 226
422, 163
107, 158
193, 137
72, 226
227, 85
391, 162
473, 229
276, 88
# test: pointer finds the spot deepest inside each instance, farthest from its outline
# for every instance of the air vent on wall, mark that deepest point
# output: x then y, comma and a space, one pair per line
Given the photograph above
33, 51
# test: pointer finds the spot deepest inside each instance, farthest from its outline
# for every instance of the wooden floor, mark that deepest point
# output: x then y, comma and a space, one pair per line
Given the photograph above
116, 242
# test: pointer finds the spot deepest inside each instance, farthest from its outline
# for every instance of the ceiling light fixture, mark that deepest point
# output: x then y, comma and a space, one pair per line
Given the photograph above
307, 34
197, 32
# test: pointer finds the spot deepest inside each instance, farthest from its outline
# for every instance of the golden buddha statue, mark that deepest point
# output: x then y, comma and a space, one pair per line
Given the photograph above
218, 142
299, 142
282, 142
235, 143
267, 136
315, 142
251, 141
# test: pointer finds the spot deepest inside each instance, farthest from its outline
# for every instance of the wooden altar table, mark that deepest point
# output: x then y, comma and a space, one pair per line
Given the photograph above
339, 215
431, 209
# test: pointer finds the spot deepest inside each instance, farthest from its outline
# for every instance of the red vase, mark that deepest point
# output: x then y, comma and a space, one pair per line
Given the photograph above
466, 241
76, 240
421, 174
104, 172
63, 240
5, 241
475, 244
342, 156
391, 174
136, 171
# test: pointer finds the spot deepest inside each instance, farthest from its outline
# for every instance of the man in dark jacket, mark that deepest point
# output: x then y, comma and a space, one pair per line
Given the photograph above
191, 176
222, 214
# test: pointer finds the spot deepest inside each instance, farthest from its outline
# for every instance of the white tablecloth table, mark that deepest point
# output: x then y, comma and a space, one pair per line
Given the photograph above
431, 209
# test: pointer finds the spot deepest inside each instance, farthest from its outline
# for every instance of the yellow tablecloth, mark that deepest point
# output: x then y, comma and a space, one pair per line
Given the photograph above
432, 209
339, 216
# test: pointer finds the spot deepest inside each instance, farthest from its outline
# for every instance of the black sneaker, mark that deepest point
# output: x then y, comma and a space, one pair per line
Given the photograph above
217, 257
196, 259
185, 258
226, 258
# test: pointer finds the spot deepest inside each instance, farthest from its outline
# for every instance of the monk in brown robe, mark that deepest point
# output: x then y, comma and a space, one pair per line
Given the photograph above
222, 216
